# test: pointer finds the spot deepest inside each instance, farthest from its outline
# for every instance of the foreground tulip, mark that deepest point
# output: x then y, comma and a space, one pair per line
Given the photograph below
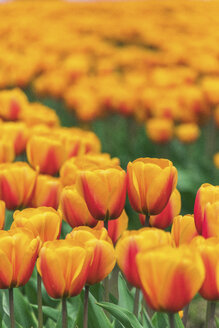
44, 222
63, 266
17, 181
104, 192
183, 229
206, 194
19, 250
74, 209
46, 153
170, 277
131, 243
46, 192
209, 251
103, 254
150, 184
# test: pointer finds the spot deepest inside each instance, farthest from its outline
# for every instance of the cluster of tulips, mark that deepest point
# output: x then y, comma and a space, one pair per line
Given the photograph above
77, 58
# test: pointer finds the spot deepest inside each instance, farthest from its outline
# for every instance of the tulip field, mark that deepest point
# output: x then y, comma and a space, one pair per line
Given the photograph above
109, 164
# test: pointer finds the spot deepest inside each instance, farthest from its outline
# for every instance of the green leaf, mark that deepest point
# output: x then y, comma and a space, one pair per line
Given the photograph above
126, 318
178, 321
160, 320
48, 311
96, 316
147, 321
125, 297
217, 322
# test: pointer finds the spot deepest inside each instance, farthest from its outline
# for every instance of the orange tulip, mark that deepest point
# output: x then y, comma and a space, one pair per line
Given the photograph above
12, 103
74, 209
45, 152
165, 218
71, 168
46, 192
209, 251
131, 243
216, 160
150, 184
206, 194
2, 214
18, 251
183, 229
17, 181
210, 224
104, 191
103, 254
187, 132
170, 277
115, 227
44, 222
18, 132
63, 266
159, 130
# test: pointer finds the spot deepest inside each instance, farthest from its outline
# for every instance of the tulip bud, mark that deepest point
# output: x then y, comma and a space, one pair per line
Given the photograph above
104, 191
150, 184
17, 181
183, 229
170, 277
19, 250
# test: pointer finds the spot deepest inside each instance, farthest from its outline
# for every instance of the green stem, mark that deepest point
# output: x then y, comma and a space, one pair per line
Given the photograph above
136, 302
11, 306
64, 313
86, 295
106, 220
185, 315
211, 306
171, 320
39, 301
106, 288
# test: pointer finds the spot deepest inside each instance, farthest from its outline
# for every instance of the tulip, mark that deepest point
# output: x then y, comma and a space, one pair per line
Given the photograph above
71, 168
206, 194
188, 132
209, 251
44, 222
19, 250
216, 160
210, 225
103, 254
159, 130
115, 227
131, 243
2, 214
18, 132
165, 218
150, 184
12, 104
74, 209
63, 266
46, 192
45, 152
17, 181
170, 277
104, 192
183, 229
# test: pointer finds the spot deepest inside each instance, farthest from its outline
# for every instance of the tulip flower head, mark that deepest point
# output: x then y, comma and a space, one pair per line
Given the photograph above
180, 270
103, 257
44, 222
206, 194
104, 191
151, 182
63, 266
18, 250
183, 229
